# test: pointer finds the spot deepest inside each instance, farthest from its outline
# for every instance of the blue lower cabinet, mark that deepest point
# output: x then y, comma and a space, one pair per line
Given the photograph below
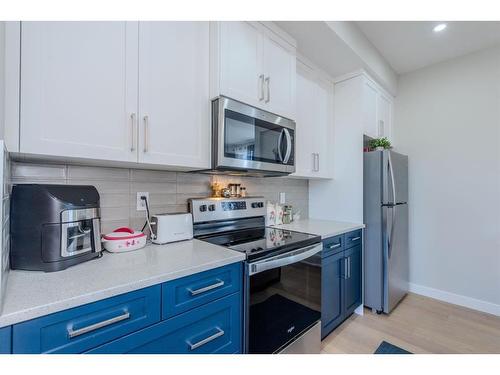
188, 292
332, 293
352, 288
82, 328
341, 287
5, 340
212, 328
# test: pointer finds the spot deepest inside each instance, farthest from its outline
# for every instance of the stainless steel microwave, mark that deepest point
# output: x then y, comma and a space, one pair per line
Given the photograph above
249, 141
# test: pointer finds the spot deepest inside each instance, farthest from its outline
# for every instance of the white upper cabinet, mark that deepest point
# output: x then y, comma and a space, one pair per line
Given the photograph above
241, 76
79, 89
117, 91
250, 66
279, 82
174, 102
377, 110
314, 133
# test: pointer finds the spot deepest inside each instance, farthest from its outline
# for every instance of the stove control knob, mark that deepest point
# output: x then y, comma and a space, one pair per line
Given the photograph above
211, 207
203, 207
255, 205
261, 204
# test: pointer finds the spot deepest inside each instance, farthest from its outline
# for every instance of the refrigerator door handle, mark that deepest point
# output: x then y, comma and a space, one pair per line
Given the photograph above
391, 235
391, 170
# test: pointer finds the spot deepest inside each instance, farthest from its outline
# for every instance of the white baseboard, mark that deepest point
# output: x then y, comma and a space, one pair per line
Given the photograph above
457, 299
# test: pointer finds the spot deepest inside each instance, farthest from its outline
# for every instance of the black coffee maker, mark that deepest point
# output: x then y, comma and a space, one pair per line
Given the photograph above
53, 227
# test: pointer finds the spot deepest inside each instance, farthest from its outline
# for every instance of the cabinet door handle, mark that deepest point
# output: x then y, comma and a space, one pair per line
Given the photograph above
200, 343
218, 284
349, 267
317, 158
132, 132
146, 133
315, 162
355, 238
268, 80
345, 268
262, 94
381, 128
72, 334
334, 246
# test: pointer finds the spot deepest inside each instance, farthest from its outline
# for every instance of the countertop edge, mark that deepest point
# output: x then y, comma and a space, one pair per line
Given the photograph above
80, 300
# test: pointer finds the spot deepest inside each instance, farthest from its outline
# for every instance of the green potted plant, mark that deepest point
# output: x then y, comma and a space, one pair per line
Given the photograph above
379, 144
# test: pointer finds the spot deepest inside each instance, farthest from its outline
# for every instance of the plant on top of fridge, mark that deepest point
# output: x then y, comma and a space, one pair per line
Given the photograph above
380, 142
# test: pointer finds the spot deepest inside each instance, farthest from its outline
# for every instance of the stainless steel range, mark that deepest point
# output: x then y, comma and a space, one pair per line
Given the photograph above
282, 307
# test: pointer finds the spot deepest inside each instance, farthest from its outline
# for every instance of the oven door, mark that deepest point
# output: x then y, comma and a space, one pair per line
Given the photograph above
283, 300
246, 138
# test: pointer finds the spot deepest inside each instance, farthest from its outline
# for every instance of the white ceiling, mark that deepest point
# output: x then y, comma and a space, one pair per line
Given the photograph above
410, 45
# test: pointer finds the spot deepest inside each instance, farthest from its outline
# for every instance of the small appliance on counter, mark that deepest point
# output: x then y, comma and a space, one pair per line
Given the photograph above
171, 228
124, 239
53, 227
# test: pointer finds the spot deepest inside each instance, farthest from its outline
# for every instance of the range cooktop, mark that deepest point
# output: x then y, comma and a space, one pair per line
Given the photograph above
262, 242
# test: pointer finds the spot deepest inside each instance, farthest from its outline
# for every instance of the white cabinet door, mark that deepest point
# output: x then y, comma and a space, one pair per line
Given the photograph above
79, 89
241, 76
305, 124
280, 74
384, 116
174, 103
370, 102
323, 140
314, 133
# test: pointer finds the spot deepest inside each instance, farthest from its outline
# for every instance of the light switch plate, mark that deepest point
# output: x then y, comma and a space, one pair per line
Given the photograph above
141, 205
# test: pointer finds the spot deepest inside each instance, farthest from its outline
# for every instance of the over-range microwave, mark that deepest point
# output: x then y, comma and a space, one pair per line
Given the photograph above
249, 141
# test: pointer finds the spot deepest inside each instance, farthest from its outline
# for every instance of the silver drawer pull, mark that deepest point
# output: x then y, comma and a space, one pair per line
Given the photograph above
334, 246
207, 288
219, 333
93, 327
355, 238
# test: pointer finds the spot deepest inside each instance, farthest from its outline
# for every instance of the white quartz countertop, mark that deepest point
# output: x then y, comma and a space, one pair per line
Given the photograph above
323, 228
31, 294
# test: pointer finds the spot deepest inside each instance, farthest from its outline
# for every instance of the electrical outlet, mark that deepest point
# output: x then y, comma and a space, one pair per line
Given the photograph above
141, 205
282, 198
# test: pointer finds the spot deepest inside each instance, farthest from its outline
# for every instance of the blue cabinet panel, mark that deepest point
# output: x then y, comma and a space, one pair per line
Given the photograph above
5, 340
332, 291
353, 279
81, 328
333, 245
192, 291
341, 288
213, 328
353, 238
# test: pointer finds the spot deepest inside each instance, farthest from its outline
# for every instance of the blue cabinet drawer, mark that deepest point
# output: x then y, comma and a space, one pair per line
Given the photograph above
5, 340
85, 327
213, 328
353, 238
333, 245
184, 294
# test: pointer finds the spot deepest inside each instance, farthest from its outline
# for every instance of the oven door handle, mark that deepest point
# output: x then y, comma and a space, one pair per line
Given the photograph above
284, 259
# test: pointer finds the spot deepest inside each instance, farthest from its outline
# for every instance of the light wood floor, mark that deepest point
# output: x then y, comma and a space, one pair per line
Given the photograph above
419, 325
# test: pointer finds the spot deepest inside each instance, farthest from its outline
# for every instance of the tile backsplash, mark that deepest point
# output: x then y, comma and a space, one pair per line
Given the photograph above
168, 191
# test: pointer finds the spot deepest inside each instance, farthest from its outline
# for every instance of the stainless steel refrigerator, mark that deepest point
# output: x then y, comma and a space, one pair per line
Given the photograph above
386, 234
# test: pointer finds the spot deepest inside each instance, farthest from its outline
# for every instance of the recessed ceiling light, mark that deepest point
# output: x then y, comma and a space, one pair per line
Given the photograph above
439, 27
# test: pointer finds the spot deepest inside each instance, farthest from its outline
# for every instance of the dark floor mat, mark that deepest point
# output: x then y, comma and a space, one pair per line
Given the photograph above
387, 348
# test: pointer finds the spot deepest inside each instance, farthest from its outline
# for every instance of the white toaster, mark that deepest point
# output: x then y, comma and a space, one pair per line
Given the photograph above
171, 227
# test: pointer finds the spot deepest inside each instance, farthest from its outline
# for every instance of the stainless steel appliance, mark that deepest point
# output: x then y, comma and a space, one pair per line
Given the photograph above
247, 140
282, 304
386, 233
53, 227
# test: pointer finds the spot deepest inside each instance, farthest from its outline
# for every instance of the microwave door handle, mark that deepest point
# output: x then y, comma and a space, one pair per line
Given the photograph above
284, 260
280, 139
288, 146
